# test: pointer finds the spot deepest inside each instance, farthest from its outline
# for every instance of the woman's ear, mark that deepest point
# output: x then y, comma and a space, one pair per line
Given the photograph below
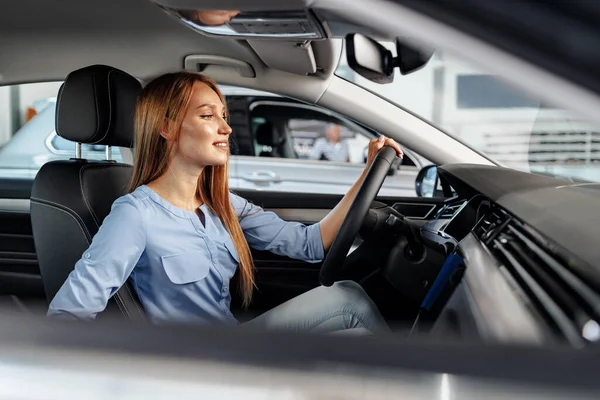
166, 130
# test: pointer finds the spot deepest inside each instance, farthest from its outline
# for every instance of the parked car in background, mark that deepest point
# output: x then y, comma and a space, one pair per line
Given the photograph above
277, 161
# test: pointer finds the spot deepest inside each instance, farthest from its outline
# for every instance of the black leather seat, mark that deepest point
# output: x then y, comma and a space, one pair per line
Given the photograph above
71, 198
267, 134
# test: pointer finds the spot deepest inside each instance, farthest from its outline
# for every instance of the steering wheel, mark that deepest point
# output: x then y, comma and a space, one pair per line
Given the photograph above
334, 261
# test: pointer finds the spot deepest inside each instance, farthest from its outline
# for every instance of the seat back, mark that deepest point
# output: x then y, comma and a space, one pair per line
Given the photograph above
277, 138
71, 198
268, 135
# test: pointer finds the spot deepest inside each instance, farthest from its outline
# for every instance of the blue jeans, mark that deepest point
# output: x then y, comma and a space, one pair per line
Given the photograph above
344, 306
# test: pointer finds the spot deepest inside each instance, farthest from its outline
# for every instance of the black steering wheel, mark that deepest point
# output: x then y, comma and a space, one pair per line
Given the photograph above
334, 261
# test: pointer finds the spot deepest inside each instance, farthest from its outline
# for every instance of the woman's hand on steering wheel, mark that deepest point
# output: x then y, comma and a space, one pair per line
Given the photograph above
382, 153
375, 145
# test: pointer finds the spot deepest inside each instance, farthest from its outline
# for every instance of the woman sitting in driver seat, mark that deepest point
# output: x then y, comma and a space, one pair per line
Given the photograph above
181, 235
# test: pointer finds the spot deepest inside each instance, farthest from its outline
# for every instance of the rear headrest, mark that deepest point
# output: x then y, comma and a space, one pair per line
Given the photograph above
96, 105
268, 135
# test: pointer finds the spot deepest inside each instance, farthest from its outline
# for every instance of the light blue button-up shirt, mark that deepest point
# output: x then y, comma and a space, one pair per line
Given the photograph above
180, 268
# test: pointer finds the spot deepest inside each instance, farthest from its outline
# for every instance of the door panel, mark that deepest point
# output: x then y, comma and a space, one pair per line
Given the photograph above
19, 270
15, 188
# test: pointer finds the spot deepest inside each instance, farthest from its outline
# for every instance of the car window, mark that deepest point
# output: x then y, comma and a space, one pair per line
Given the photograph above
301, 148
307, 128
27, 131
312, 134
59, 144
305, 133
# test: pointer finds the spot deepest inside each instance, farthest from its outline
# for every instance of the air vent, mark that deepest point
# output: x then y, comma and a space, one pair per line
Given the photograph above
449, 210
491, 224
558, 295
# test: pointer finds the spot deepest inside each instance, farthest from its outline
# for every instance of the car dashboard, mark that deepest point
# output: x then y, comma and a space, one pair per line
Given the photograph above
521, 280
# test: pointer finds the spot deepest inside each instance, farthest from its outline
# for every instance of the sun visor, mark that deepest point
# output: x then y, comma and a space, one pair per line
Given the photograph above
200, 62
299, 56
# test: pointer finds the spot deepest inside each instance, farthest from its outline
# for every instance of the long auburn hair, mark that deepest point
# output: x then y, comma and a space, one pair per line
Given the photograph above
165, 101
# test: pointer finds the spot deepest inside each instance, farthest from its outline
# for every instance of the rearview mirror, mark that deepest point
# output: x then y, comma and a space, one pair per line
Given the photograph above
369, 58
409, 59
427, 182
373, 61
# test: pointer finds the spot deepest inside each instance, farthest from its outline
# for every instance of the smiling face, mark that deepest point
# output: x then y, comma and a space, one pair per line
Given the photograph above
204, 136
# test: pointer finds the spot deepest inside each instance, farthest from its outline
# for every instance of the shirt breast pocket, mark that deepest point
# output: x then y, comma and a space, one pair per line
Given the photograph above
187, 267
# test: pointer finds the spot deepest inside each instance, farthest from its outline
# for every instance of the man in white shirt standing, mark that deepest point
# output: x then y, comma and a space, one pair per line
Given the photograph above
330, 147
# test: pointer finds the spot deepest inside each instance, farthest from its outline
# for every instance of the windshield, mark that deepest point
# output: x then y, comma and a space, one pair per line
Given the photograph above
478, 108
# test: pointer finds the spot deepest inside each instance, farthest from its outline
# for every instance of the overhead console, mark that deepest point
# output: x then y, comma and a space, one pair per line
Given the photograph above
287, 20
290, 27
270, 32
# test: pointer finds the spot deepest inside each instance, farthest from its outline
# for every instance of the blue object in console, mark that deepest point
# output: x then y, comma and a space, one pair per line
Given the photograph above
450, 265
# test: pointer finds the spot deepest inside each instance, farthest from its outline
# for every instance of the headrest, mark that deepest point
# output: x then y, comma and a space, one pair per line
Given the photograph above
96, 105
268, 135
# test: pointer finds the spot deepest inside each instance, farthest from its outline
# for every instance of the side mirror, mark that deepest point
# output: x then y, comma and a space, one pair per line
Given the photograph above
427, 182
373, 61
